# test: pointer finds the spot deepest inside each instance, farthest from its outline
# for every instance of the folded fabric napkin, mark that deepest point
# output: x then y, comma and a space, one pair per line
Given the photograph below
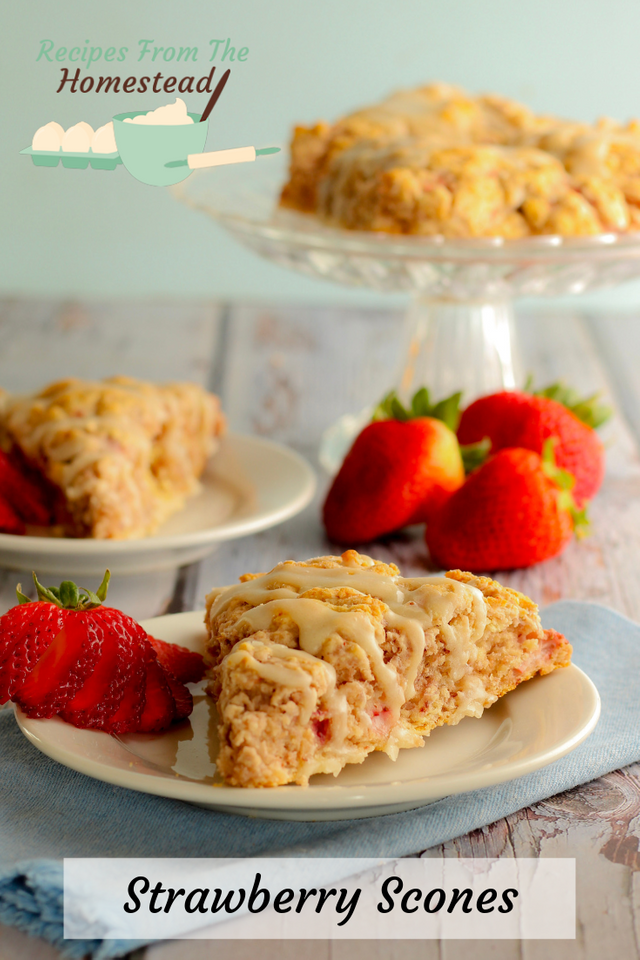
48, 812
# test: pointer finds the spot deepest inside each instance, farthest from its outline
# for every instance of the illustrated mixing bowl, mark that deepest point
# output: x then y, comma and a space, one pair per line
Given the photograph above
145, 148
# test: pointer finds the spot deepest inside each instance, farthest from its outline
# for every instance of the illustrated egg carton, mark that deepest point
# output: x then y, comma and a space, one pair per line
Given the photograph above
73, 161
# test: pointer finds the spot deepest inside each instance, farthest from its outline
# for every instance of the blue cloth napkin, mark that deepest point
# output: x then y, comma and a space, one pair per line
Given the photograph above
48, 812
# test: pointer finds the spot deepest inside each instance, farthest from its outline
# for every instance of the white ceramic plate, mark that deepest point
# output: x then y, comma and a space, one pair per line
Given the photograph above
532, 726
250, 484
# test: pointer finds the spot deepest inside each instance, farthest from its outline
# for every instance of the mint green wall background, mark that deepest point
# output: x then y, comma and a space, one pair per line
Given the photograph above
80, 233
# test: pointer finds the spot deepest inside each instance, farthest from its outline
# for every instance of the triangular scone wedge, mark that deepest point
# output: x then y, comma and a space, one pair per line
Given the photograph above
315, 665
123, 454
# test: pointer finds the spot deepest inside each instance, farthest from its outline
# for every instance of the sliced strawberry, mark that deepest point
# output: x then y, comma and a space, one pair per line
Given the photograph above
126, 719
181, 696
185, 665
63, 668
25, 633
25, 496
10, 522
67, 654
102, 692
160, 707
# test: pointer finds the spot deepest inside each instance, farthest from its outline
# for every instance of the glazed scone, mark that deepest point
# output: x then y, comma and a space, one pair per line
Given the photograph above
122, 453
315, 665
438, 161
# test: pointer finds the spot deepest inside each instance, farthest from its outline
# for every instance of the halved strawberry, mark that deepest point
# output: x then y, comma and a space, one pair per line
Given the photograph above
185, 665
25, 634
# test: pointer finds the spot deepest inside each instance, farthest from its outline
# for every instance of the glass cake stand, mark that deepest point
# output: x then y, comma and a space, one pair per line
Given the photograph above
459, 331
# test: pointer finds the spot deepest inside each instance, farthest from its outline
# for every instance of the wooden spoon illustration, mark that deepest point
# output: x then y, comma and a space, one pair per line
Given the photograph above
213, 99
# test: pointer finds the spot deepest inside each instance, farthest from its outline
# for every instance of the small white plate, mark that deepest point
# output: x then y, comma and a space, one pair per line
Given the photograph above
250, 484
534, 725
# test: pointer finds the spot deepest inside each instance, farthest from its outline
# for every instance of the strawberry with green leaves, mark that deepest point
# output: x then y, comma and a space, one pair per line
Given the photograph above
66, 654
521, 419
515, 510
399, 471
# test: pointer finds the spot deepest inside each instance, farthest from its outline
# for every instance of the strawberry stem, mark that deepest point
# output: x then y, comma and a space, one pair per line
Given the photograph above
475, 454
68, 595
565, 482
447, 410
22, 598
562, 478
587, 409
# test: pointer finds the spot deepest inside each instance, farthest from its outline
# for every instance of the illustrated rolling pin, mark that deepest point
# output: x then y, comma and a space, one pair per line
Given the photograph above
219, 158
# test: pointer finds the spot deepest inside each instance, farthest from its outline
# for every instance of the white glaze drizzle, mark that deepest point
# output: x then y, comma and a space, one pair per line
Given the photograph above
413, 605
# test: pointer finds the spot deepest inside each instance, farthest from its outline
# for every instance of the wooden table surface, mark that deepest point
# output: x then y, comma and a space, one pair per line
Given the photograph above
287, 373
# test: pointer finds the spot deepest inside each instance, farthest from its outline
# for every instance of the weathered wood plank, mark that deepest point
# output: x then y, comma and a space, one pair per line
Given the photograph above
618, 342
290, 372
239, 950
42, 341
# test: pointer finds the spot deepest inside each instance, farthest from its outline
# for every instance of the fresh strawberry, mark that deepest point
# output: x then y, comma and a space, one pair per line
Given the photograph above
185, 665
399, 471
511, 512
515, 419
10, 522
20, 488
67, 654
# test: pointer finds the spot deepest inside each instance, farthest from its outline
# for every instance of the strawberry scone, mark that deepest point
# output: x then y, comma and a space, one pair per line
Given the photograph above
120, 455
439, 161
317, 664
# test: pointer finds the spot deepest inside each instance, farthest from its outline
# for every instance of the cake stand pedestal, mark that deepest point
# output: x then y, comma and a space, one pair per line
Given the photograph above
452, 345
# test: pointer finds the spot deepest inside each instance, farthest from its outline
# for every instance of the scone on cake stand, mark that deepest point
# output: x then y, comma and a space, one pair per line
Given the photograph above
459, 331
